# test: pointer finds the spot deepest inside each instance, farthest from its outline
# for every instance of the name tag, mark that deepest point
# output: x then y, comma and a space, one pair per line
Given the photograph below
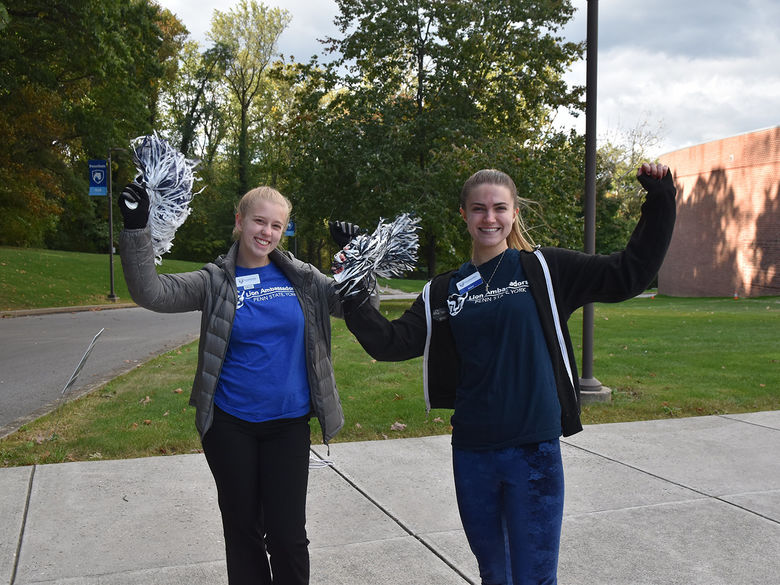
471, 281
249, 281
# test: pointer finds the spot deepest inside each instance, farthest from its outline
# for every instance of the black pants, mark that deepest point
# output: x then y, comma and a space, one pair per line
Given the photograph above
262, 471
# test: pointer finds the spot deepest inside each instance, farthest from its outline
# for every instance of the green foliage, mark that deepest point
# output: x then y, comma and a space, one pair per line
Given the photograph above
248, 33
619, 196
419, 96
191, 101
207, 232
433, 92
68, 97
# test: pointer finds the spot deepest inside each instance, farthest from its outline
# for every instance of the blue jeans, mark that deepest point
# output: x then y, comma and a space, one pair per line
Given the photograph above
511, 506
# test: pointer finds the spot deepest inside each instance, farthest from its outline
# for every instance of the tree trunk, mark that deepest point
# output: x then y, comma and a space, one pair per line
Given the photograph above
243, 154
430, 256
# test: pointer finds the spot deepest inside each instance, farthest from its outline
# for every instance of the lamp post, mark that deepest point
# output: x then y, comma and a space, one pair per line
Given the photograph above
111, 295
591, 389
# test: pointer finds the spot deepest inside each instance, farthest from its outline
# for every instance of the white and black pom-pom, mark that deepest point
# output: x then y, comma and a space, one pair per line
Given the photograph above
168, 177
390, 251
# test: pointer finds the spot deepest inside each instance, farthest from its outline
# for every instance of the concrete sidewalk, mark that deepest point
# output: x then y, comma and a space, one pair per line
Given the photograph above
687, 501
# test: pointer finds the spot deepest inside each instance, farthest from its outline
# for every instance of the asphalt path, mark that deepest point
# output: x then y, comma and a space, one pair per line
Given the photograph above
40, 353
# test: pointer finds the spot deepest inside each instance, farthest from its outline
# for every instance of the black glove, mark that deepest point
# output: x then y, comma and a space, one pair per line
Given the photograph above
653, 185
342, 232
134, 205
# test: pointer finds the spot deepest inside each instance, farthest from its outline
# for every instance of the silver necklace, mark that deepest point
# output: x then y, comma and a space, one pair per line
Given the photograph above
489, 280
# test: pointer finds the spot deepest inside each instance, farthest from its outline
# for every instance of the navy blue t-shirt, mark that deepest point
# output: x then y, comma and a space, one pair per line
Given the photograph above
506, 394
264, 375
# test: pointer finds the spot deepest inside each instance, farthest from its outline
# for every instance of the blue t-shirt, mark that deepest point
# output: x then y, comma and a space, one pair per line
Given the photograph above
506, 395
264, 375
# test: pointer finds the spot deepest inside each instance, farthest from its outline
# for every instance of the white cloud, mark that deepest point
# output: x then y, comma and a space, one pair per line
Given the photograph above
311, 20
701, 70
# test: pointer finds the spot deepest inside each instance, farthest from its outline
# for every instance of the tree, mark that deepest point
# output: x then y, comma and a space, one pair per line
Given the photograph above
430, 81
192, 99
249, 32
69, 97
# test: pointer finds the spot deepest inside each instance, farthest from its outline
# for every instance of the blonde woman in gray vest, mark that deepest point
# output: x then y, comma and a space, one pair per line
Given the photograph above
264, 369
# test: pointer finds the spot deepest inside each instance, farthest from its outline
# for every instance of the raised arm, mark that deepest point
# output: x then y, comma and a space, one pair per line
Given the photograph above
582, 278
164, 293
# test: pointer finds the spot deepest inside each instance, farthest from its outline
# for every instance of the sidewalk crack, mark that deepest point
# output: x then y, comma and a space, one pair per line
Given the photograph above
676, 483
403, 526
23, 526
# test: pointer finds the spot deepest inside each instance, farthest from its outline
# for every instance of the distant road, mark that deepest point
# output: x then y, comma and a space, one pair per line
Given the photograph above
39, 353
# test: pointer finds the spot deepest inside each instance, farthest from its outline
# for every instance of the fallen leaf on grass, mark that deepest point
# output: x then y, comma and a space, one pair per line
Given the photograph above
147, 422
397, 426
178, 391
145, 401
358, 426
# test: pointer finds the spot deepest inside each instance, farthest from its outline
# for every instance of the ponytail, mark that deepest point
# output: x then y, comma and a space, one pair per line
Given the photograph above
518, 238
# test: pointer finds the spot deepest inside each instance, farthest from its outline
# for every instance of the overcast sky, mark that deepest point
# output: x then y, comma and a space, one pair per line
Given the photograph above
691, 70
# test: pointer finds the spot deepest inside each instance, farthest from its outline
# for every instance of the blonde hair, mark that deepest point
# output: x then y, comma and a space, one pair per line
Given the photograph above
262, 193
518, 237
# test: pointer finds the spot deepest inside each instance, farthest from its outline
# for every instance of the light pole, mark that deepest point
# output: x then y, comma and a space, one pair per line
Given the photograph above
111, 296
590, 388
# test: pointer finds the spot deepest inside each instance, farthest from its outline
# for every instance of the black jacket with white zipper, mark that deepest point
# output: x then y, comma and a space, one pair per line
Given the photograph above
576, 279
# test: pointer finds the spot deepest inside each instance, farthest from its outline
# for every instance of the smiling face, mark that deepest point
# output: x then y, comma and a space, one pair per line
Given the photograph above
259, 231
489, 212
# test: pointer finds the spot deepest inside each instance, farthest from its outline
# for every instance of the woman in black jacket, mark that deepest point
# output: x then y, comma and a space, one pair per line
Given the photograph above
496, 349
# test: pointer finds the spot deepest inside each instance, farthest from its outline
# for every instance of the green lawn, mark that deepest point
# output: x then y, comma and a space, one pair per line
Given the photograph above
662, 357
34, 279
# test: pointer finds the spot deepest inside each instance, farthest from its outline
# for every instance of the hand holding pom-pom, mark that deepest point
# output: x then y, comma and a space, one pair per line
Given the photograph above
168, 177
134, 205
343, 232
390, 251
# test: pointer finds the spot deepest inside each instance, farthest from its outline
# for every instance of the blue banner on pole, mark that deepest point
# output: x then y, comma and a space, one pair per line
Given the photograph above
290, 230
98, 177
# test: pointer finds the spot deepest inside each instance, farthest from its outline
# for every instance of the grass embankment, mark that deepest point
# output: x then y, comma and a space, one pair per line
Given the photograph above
662, 357
36, 279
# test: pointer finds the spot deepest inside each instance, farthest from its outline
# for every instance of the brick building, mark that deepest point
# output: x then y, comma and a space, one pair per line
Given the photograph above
727, 236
